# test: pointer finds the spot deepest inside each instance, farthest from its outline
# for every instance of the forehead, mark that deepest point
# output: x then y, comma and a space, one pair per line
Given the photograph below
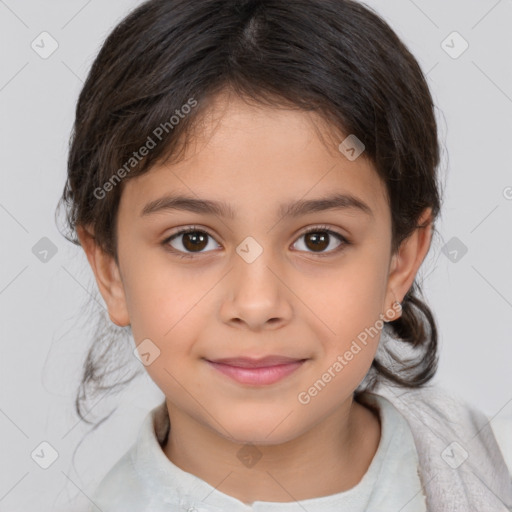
259, 158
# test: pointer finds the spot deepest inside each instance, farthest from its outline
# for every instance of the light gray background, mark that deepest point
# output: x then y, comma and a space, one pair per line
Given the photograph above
43, 339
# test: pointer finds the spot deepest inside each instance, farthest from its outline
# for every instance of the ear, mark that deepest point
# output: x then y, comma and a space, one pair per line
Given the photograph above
408, 259
108, 277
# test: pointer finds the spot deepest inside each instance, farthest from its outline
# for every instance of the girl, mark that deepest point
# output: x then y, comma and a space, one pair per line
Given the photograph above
254, 185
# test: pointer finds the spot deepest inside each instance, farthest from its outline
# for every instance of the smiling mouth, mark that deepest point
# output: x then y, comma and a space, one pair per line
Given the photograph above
257, 362
257, 373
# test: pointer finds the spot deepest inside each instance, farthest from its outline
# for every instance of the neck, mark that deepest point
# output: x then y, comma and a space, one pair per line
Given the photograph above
331, 457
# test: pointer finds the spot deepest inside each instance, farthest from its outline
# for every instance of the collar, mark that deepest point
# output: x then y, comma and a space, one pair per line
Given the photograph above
166, 483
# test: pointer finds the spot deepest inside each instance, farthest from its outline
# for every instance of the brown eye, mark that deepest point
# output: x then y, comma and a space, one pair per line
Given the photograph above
189, 241
194, 240
318, 239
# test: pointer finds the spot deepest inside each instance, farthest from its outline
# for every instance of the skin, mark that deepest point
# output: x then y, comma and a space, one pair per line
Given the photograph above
290, 300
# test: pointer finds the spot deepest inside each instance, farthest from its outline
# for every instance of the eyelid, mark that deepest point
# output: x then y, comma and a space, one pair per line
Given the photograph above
188, 229
320, 227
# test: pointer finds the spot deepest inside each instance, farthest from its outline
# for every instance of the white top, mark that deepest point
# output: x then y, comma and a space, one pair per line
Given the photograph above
144, 479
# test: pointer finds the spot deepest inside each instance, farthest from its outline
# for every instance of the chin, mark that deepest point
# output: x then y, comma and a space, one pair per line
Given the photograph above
268, 432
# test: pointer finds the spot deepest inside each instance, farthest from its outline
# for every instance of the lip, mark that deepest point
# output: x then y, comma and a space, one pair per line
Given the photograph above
261, 372
254, 362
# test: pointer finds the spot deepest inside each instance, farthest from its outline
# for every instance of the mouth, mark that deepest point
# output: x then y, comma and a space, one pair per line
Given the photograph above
257, 372
254, 362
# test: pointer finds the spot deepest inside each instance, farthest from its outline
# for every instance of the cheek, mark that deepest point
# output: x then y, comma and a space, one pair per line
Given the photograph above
351, 306
161, 303
352, 297
167, 310
153, 292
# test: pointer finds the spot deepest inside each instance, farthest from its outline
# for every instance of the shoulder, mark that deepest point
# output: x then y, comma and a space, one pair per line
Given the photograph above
127, 486
120, 489
444, 410
433, 402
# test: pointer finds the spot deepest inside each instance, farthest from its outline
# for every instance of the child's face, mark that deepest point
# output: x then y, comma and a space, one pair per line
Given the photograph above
295, 299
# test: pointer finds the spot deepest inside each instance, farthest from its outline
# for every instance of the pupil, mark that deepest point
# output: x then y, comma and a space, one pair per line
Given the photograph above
194, 240
319, 240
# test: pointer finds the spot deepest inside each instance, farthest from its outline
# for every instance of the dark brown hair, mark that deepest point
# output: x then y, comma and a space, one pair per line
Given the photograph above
337, 58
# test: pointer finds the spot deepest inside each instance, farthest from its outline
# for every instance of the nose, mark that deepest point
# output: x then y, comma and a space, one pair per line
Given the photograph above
256, 296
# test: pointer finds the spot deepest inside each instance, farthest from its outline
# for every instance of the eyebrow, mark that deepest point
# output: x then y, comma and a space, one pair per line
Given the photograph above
288, 210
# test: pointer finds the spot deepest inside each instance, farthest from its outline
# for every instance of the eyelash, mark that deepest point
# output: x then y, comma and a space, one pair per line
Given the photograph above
315, 229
